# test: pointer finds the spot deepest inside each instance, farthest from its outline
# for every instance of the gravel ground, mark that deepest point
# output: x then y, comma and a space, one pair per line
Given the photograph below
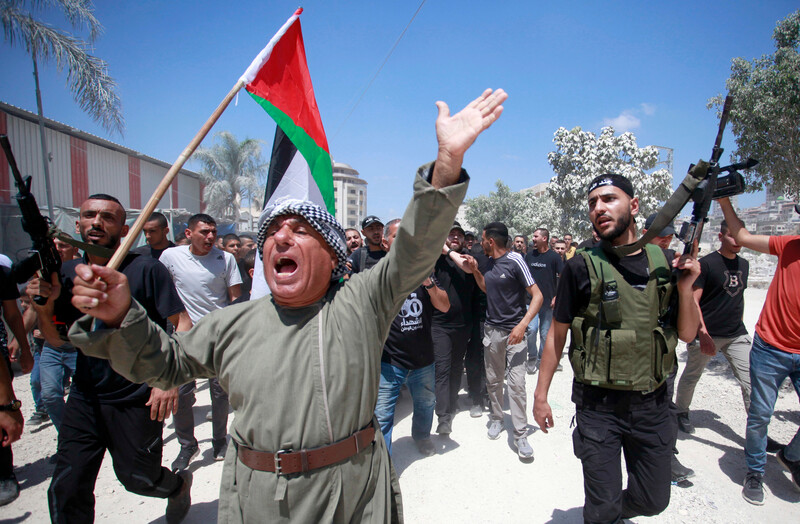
474, 479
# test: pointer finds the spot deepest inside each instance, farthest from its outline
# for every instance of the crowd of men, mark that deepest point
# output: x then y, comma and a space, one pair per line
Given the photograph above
431, 302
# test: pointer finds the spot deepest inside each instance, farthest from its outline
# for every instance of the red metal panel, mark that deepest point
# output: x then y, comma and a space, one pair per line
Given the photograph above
134, 182
175, 193
80, 171
5, 174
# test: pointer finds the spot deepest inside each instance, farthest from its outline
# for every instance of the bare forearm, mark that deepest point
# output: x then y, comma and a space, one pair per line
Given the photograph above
551, 354
446, 170
688, 316
439, 299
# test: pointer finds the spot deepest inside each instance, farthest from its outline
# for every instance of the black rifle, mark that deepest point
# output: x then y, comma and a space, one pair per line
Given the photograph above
43, 256
714, 185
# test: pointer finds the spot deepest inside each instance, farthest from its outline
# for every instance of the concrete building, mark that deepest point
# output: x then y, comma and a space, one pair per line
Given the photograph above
350, 195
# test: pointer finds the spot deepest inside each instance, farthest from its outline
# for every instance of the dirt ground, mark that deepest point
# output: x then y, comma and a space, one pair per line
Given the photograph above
472, 478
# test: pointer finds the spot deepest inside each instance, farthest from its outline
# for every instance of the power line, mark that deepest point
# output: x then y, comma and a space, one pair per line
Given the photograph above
369, 84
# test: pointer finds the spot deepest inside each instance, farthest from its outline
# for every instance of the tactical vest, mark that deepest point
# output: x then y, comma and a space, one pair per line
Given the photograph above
623, 340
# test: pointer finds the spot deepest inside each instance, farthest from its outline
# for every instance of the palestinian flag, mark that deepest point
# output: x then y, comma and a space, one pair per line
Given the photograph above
279, 81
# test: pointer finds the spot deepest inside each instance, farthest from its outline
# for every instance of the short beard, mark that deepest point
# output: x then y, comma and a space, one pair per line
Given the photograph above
620, 227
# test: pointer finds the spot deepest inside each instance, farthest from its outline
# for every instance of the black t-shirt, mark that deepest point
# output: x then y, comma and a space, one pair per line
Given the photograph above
8, 291
723, 282
409, 344
372, 258
545, 268
247, 281
149, 251
151, 285
574, 287
461, 290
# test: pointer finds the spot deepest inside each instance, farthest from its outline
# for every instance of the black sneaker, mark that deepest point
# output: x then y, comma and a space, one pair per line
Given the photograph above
178, 504
679, 471
753, 490
220, 448
792, 466
774, 447
9, 490
184, 457
37, 418
684, 424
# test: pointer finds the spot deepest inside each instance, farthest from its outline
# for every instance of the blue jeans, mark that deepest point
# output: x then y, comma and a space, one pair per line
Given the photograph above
541, 323
769, 367
55, 365
421, 385
36, 383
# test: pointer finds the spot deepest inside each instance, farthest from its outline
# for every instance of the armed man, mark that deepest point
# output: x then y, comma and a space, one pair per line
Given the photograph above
625, 320
303, 388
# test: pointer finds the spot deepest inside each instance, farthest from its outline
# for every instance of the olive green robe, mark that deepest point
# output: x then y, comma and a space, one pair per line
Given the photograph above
297, 378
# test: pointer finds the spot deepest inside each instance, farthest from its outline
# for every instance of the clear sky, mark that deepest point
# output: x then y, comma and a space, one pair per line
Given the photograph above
648, 67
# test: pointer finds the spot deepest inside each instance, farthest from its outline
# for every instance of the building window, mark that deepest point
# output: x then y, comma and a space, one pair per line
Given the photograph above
352, 191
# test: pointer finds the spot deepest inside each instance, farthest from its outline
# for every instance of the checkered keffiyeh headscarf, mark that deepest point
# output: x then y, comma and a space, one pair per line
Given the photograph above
323, 222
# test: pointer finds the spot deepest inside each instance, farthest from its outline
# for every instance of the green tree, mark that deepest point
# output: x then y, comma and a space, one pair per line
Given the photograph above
87, 77
502, 205
580, 156
765, 116
231, 172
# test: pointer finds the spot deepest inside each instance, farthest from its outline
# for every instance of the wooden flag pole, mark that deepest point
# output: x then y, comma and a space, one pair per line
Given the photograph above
162, 188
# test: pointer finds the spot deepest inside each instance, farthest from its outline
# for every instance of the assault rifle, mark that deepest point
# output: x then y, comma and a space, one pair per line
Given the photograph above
714, 184
43, 256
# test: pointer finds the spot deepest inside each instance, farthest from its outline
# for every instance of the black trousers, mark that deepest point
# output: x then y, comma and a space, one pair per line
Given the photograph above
132, 439
449, 347
644, 433
475, 365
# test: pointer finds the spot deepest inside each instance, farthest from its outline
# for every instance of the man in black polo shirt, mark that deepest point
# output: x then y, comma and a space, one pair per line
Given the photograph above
545, 266
104, 410
368, 255
452, 329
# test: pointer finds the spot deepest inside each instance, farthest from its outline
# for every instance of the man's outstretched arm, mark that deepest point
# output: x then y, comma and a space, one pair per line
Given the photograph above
742, 236
551, 355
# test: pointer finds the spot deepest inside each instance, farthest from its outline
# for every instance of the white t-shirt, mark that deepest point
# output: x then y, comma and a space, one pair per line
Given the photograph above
202, 281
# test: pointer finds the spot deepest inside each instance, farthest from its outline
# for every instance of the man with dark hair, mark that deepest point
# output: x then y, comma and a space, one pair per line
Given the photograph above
625, 320
155, 232
570, 247
506, 280
775, 354
719, 292
560, 247
248, 242
304, 394
232, 245
520, 244
353, 239
554, 240
408, 359
207, 279
545, 266
106, 411
367, 256
452, 328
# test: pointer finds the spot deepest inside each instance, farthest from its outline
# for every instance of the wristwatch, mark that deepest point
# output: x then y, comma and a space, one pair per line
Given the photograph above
431, 286
449, 251
14, 405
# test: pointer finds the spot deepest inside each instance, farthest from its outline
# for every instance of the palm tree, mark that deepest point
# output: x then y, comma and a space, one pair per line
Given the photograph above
87, 76
231, 172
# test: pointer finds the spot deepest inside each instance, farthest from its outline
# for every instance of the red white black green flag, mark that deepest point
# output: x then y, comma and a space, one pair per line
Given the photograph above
279, 81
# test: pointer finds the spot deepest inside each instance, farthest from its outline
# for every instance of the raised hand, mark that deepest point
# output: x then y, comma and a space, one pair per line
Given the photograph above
456, 133
101, 292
